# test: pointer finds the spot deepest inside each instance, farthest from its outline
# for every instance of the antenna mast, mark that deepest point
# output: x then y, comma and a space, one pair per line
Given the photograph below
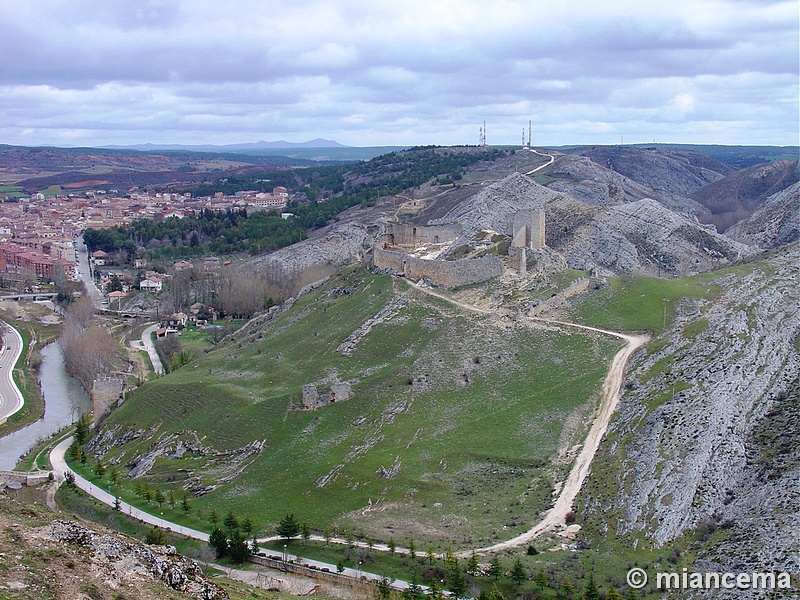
529, 133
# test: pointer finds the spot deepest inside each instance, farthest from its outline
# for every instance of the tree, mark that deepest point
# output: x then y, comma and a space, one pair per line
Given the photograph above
159, 497
457, 582
412, 592
591, 592
185, 505
219, 542
491, 594
392, 546
155, 537
518, 574
212, 516
540, 580
237, 547
247, 526
231, 522
383, 589
411, 549
472, 564
495, 568
305, 532
613, 594
566, 590
82, 430
288, 527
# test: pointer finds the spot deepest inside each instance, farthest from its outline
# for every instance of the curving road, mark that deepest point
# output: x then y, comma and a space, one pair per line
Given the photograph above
11, 400
146, 344
547, 164
554, 517
60, 468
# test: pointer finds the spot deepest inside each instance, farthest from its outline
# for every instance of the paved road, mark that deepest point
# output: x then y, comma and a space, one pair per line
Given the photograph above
146, 344
82, 253
60, 468
11, 399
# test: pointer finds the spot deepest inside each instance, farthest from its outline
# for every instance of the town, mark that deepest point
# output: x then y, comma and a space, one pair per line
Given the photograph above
38, 233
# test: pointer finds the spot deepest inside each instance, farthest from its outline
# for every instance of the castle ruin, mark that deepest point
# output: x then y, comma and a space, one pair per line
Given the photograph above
412, 251
107, 393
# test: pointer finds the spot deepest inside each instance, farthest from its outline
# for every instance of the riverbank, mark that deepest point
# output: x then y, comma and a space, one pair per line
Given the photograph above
38, 327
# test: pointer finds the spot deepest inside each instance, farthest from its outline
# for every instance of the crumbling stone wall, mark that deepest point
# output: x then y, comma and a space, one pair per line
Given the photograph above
410, 236
106, 394
449, 273
527, 228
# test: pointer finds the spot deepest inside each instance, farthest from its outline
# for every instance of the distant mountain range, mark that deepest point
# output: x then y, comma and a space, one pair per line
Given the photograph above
260, 145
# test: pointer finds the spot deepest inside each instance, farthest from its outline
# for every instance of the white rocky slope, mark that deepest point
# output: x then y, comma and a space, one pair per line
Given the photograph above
492, 207
776, 223
706, 434
594, 184
639, 237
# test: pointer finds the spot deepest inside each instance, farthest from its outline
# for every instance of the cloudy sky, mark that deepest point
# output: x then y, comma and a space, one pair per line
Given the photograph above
385, 72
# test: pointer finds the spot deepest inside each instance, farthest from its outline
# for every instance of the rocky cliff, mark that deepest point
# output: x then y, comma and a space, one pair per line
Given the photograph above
774, 224
706, 434
638, 237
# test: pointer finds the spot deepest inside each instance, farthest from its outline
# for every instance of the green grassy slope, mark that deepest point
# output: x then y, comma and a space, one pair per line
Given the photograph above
449, 434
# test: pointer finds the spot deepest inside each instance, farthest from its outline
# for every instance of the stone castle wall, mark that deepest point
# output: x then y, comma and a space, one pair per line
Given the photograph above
450, 273
414, 235
527, 228
106, 394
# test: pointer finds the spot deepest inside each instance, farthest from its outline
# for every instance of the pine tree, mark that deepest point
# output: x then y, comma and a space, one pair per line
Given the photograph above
457, 583
155, 536
82, 430
495, 569
231, 522
411, 549
518, 574
540, 580
472, 564
591, 592
237, 547
288, 527
392, 546
613, 594
219, 542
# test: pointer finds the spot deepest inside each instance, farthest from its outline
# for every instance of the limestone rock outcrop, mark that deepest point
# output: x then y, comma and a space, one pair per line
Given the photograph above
776, 223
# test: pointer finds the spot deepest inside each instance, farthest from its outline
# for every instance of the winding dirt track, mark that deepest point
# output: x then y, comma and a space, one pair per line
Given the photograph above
556, 516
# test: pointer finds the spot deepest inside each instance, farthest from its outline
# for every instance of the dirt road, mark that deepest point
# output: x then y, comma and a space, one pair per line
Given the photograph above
556, 516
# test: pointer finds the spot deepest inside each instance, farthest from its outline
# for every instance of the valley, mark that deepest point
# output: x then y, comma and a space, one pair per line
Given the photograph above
528, 351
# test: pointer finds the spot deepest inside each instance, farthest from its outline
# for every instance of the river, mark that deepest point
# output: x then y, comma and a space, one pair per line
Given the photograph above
64, 399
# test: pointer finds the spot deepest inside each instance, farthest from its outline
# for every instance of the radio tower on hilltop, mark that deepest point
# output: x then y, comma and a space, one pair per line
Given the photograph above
529, 133
482, 141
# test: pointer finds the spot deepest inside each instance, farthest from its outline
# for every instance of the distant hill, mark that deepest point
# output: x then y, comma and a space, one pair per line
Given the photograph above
740, 194
260, 145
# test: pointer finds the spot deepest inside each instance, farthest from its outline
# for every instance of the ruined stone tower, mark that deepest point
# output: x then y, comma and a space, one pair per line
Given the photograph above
527, 228
107, 393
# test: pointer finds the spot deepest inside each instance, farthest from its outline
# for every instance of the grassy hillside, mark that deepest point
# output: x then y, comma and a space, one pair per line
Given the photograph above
451, 432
